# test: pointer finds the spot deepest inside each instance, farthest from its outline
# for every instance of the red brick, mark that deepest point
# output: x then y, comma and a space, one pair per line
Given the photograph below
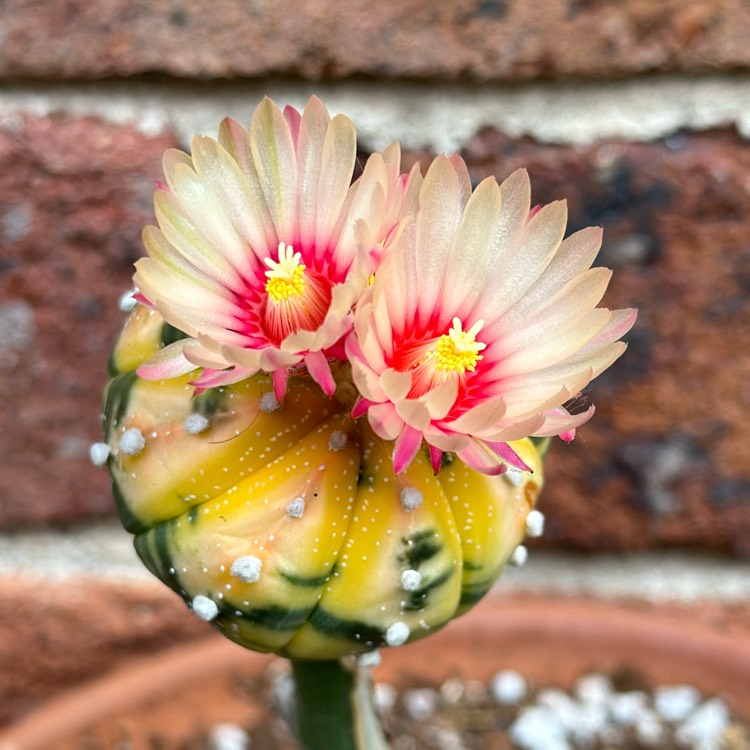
478, 39
74, 194
666, 459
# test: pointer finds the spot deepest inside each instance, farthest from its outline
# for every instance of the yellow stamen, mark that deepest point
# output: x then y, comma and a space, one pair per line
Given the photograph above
286, 278
458, 350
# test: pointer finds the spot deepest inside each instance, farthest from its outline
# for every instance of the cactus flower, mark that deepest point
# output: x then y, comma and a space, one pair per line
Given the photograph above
481, 324
320, 419
264, 245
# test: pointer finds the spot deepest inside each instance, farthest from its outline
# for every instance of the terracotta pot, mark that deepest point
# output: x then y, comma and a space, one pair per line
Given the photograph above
551, 641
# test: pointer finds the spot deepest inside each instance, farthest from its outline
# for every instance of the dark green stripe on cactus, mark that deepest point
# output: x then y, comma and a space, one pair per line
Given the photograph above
129, 520
311, 582
353, 630
273, 617
470, 595
420, 547
170, 334
116, 398
210, 402
416, 600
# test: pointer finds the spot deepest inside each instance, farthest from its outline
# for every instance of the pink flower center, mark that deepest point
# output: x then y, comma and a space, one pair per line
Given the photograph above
297, 299
432, 361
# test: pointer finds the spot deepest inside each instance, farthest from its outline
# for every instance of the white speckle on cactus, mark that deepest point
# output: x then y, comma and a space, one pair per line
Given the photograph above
99, 453
196, 423
128, 301
411, 498
296, 508
411, 580
397, 634
247, 568
535, 523
269, 402
520, 556
369, 659
132, 442
513, 477
205, 608
337, 440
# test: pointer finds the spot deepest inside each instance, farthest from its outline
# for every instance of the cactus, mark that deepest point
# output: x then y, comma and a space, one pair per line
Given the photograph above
284, 523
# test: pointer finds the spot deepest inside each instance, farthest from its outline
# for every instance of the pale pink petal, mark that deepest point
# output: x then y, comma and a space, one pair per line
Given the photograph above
320, 371
169, 362
477, 456
384, 421
406, 448
280, 380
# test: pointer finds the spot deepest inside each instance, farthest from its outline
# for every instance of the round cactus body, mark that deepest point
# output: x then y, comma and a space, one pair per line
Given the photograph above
284, 524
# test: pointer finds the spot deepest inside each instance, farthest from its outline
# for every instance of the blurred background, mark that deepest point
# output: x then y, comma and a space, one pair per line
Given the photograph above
636, 112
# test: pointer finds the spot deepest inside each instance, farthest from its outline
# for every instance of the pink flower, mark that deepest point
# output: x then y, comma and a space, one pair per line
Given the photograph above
264, 245
481, 323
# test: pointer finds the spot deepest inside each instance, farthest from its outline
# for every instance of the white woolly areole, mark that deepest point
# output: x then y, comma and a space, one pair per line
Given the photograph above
520, 556
196, 423
397, 634
411, 580
99, 453
269, 402
132, 442
296, 507
128, 301
411, 498
535, 523
337, 440
513, 477
205, 608
247, 568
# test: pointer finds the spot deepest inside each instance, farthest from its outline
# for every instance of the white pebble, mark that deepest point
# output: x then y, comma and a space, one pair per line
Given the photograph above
520, 556
205, 608
535, 523
411, 580
397, 634
593, 688
513, 477
420, 703
196, 423
705, 725
229, 737
650, 731
384, 696
411, 498
537, 728
337, 440
132, 442
296, 508
508, 687
99, 453
674, 702
128, 301
269, 403
628, 708
247, 568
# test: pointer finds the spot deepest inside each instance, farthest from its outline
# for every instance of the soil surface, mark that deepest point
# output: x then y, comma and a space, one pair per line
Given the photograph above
618, 711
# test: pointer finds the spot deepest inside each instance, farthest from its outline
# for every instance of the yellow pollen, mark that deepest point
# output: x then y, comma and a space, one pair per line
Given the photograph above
458, 350
286, 277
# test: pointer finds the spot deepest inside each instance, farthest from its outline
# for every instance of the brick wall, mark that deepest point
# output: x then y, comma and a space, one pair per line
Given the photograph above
664, 462
637, 112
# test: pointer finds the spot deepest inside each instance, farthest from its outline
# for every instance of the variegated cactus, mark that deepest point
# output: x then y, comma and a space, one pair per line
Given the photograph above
284, 523
322, 418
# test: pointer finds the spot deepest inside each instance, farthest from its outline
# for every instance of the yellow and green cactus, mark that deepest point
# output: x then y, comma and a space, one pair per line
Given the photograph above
284, 523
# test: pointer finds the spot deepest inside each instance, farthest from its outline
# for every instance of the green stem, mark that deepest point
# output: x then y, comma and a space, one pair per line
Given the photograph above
334, 709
